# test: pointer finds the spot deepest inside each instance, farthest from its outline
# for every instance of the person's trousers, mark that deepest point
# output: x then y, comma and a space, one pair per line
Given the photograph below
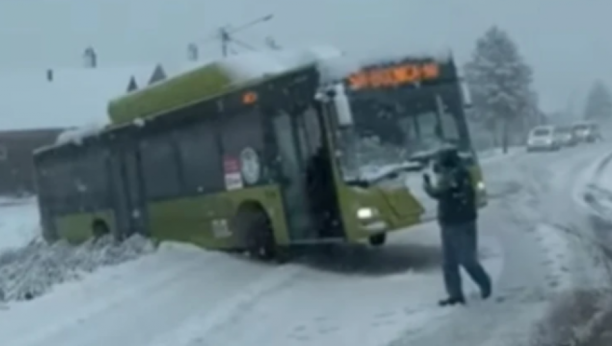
459, 249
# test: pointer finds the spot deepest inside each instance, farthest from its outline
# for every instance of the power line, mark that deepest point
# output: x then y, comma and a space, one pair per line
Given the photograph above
225, 35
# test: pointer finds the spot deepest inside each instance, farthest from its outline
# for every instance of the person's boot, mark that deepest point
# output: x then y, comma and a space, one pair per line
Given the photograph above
452, 301
485, 292
485, 286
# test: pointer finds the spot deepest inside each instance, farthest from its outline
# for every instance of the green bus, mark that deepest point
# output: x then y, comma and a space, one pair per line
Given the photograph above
230, 165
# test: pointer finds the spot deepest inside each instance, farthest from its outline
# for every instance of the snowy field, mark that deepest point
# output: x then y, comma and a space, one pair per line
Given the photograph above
534, 241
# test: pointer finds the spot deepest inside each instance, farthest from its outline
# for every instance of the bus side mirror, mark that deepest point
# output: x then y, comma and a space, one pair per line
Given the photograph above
342, 106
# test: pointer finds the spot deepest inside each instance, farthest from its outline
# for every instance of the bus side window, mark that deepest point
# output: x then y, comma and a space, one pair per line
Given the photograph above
200, 158
46, 187
242, 131
159, 167
63, 186
91, 180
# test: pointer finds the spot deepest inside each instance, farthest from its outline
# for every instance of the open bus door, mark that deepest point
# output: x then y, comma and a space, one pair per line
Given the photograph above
299, 142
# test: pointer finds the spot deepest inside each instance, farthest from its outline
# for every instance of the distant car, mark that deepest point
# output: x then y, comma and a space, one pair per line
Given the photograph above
542, 138
565, 136
586, 132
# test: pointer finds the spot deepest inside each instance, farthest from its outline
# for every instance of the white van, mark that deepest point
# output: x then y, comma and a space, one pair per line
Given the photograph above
542, 138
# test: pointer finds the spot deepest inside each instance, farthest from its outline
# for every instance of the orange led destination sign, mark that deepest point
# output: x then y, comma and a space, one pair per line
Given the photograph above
393, 76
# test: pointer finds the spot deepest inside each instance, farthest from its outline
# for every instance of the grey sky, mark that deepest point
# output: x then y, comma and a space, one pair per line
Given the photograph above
567, 41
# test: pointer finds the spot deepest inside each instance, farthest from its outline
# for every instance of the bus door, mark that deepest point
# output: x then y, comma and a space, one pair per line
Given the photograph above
293, 162
129, 203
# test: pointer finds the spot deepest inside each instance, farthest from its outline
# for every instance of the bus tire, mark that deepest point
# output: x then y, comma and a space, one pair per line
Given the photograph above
378, 240
99, 228
50, 236
255, 228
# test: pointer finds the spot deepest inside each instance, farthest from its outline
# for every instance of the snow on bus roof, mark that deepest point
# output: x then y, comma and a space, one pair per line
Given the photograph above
255, 65
248, 67
339, 68
76, 135
333, 64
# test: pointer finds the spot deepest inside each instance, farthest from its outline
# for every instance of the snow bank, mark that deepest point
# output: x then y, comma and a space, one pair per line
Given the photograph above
31, 271
19, 222
557, 251
580, 316
602, 173
595, 194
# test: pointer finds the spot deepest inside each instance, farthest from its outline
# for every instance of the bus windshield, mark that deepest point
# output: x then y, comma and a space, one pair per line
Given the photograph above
395, 133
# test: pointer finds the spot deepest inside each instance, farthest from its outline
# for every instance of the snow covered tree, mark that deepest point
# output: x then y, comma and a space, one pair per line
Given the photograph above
500, 85
598, 103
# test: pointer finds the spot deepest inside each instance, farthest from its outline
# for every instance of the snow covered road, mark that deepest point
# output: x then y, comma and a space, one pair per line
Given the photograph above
537, 207
182, 296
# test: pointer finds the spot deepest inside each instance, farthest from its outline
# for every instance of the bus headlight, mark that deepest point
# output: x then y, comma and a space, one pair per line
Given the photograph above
366, 213
480, 186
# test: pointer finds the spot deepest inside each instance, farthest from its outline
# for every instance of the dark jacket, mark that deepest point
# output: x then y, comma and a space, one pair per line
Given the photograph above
456, 195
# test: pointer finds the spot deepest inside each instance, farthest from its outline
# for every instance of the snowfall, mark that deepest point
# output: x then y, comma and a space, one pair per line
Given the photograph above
537, 239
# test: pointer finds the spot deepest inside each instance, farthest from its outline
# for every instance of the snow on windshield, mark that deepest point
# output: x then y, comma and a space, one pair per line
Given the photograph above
394, 139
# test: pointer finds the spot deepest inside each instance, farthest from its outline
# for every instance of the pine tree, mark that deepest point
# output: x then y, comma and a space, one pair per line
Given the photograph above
500, 85
598, 103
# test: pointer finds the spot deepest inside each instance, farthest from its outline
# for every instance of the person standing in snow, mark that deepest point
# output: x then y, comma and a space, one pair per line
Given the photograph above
457, 216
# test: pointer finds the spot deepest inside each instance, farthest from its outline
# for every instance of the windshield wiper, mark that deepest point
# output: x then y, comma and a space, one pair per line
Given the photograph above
393, 172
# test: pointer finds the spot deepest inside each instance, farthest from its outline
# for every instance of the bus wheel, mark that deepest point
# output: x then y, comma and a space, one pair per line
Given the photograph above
256, 227
99, 229
49, 235
378, 239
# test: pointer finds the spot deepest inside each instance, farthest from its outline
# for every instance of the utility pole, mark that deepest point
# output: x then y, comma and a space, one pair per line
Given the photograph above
225, 38
226, 35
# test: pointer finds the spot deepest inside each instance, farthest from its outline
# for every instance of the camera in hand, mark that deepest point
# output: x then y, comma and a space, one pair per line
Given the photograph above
427, 179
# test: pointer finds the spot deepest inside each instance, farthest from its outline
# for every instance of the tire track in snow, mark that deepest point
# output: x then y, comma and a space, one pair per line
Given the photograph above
180, 302
202, 288
195, 331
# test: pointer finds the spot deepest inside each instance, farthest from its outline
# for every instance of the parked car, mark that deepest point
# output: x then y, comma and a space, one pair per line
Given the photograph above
542, 138
586, 132
565, 136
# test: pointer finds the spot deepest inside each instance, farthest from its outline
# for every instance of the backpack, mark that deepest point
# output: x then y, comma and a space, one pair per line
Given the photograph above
460, 199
